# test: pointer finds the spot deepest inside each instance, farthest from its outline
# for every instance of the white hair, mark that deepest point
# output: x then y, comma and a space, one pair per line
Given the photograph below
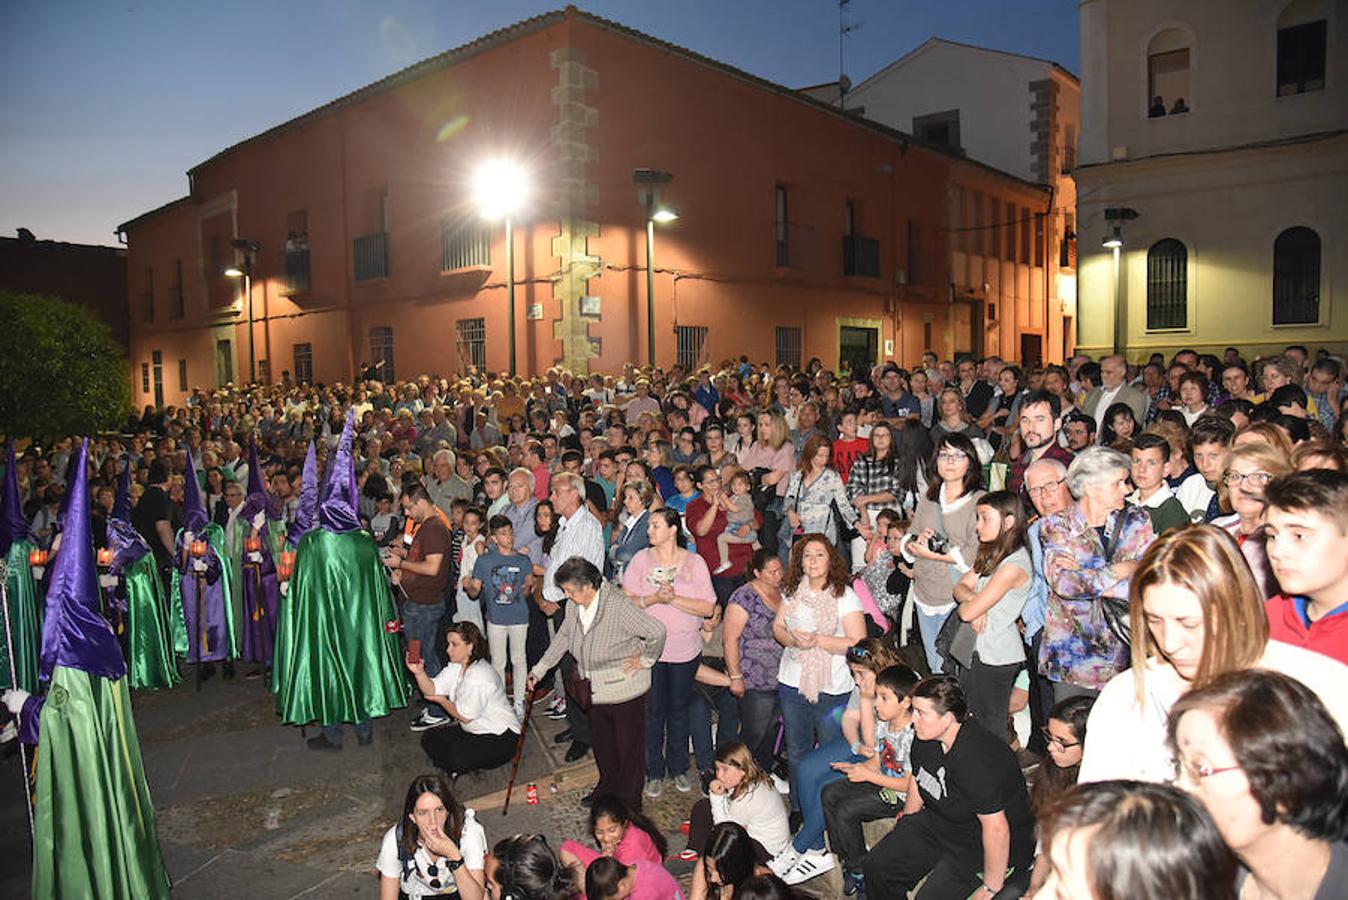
1095, 464
521, 470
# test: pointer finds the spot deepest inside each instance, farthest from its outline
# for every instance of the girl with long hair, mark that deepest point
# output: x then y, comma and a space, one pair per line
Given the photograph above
991, 595
619, 832
437, 847
743, 793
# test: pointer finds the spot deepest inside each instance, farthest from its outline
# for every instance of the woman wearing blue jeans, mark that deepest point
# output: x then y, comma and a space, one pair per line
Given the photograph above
819, 620
805, 857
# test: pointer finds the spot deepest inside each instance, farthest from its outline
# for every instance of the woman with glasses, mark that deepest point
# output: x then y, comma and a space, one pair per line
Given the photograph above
1199, 614
946, 517
1249, 468
1260, 751
438, 848
1065, 738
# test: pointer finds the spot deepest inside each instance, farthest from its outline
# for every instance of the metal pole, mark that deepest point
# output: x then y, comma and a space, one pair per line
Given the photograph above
14, 683
248, 299
1120, 314
650, 286
510, 288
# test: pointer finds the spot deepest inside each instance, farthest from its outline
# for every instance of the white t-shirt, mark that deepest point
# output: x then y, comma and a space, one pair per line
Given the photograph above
788, 672
479, 696
1125, 741
414, 878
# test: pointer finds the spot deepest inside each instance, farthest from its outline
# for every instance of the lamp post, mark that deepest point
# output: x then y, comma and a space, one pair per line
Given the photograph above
648, 183
250, 249
1113, 241
500, 187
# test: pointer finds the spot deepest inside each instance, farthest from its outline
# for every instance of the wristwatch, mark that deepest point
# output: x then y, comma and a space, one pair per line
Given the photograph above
454, 864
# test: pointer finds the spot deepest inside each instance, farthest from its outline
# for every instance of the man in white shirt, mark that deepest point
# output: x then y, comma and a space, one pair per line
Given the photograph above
1113, 389
578, 534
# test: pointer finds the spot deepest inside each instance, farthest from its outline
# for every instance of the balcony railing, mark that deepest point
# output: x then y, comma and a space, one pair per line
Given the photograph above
297, 270
370, 252
861, 256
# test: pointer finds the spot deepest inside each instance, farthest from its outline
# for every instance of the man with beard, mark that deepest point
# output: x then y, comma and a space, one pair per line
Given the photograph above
1040, 420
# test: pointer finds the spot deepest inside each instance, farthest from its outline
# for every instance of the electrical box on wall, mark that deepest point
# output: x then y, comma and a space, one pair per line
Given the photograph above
535, 311
889, 347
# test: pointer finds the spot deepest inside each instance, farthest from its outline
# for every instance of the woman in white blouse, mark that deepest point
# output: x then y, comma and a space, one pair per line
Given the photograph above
482, 727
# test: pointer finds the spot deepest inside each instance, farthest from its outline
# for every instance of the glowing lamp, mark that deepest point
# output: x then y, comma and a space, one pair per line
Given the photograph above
37, 557
285, 567
252, 543
500, 187
105, 556
197, 547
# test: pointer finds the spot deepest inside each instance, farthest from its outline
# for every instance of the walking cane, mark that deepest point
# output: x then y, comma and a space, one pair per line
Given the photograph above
14, 682
519, 748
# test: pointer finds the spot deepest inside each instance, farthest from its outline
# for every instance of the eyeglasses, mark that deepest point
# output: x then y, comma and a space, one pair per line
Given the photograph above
1257, 479
1051, 738
1045, 488
1198, 773
951, 456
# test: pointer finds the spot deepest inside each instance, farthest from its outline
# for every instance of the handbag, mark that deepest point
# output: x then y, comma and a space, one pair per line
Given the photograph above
955, 641
1114, 613
579, 690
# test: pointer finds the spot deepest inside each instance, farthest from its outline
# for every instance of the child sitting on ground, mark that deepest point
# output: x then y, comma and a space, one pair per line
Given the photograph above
874, 788
629, 837
739, 512
741, 792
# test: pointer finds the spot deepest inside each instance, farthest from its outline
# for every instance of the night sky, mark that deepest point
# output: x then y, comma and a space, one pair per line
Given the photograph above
105, 105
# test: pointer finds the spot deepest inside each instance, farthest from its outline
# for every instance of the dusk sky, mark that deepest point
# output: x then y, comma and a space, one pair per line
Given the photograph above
105, 105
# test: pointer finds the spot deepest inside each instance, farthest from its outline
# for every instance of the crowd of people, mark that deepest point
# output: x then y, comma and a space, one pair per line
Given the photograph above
1059, 626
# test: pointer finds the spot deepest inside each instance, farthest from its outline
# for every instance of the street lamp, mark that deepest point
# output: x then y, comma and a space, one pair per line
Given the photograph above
649, 182
1114, 242
250, 249
500, 188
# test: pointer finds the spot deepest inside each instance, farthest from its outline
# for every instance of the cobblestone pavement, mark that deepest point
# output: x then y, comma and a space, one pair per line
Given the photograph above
245, 809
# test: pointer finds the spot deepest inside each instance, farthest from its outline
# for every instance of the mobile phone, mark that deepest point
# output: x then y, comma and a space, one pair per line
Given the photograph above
414, 651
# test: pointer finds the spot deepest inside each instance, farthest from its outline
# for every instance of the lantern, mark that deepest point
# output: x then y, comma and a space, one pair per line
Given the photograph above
197, 547
35, 557
252, 543
286, 566
105, 556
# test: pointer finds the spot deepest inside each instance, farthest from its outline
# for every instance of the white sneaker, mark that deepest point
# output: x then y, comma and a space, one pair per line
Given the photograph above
812, 864
785, 861
782, 785
654, 787
723, 567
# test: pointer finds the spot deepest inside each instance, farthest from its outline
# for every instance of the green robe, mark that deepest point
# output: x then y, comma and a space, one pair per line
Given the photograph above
214, 535
335, 661
94, 826
150, 662
24, 619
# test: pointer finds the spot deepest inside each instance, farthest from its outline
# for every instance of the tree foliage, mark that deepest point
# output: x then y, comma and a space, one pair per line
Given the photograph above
61, 370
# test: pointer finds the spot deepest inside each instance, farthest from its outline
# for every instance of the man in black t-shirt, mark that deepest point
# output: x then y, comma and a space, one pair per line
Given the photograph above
966, 823
156, 517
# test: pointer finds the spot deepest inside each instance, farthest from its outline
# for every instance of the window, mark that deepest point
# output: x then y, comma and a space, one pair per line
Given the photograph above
1301, 58
157, 366
1296, 277
691, 341
381, 352
1069, 149
1039, 239
1025, 236
472, 342
147, 297
224, 363
994, 229
304, 363
849, 219
788, 346
783, 251
1167, 285
940, 128
264, 371
370, 252
297, 251
182, 374
145, 378
1010, 232
861, 256
176, 302
463, 245
1168, 73
914, 251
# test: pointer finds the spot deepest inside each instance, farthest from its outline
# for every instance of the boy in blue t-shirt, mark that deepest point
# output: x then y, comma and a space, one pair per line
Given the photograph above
501, 581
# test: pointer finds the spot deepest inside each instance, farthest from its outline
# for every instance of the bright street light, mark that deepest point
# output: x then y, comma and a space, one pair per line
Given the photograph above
664, 214
500, 188
233, 272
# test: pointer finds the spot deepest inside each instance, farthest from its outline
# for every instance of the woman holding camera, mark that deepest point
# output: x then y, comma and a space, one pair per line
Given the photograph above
943, 534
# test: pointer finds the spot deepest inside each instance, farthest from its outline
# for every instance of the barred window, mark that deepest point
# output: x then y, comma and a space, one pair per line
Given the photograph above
788, 346
304, 363
381, 351
370, 253
473, 342
182, 374
691, 341
463, 245
1296, 277
1167, 285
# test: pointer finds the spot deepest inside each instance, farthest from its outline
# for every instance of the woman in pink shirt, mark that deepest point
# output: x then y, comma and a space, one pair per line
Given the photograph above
674, 586
609, 879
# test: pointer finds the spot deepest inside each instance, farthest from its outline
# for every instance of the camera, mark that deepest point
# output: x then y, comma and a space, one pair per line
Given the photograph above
938, 543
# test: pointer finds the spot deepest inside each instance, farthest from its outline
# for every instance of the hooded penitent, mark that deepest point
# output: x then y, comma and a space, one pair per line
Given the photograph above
94, 826
148, 638
252, 546
336, 661
22, 594
203, 620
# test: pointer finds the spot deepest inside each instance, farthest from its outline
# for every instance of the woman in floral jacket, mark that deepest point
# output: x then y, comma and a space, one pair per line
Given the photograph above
1091, 549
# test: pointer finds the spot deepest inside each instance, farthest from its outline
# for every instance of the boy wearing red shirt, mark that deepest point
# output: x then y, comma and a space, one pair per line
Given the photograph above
1307, 527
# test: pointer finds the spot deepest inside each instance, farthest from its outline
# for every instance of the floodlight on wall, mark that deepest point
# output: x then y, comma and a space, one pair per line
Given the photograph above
1113, 240
250, 249
500, 188
649, 182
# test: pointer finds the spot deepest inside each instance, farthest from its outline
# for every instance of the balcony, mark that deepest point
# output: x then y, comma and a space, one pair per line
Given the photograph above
297, 270
861, 256
370, 252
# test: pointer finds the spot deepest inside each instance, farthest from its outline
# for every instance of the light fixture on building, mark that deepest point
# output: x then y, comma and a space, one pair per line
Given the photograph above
1113, 240
1116, 216
249, 250
500, 188
649, 182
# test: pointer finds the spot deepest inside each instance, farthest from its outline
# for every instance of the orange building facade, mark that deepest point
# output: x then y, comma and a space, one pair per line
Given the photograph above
801, 232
